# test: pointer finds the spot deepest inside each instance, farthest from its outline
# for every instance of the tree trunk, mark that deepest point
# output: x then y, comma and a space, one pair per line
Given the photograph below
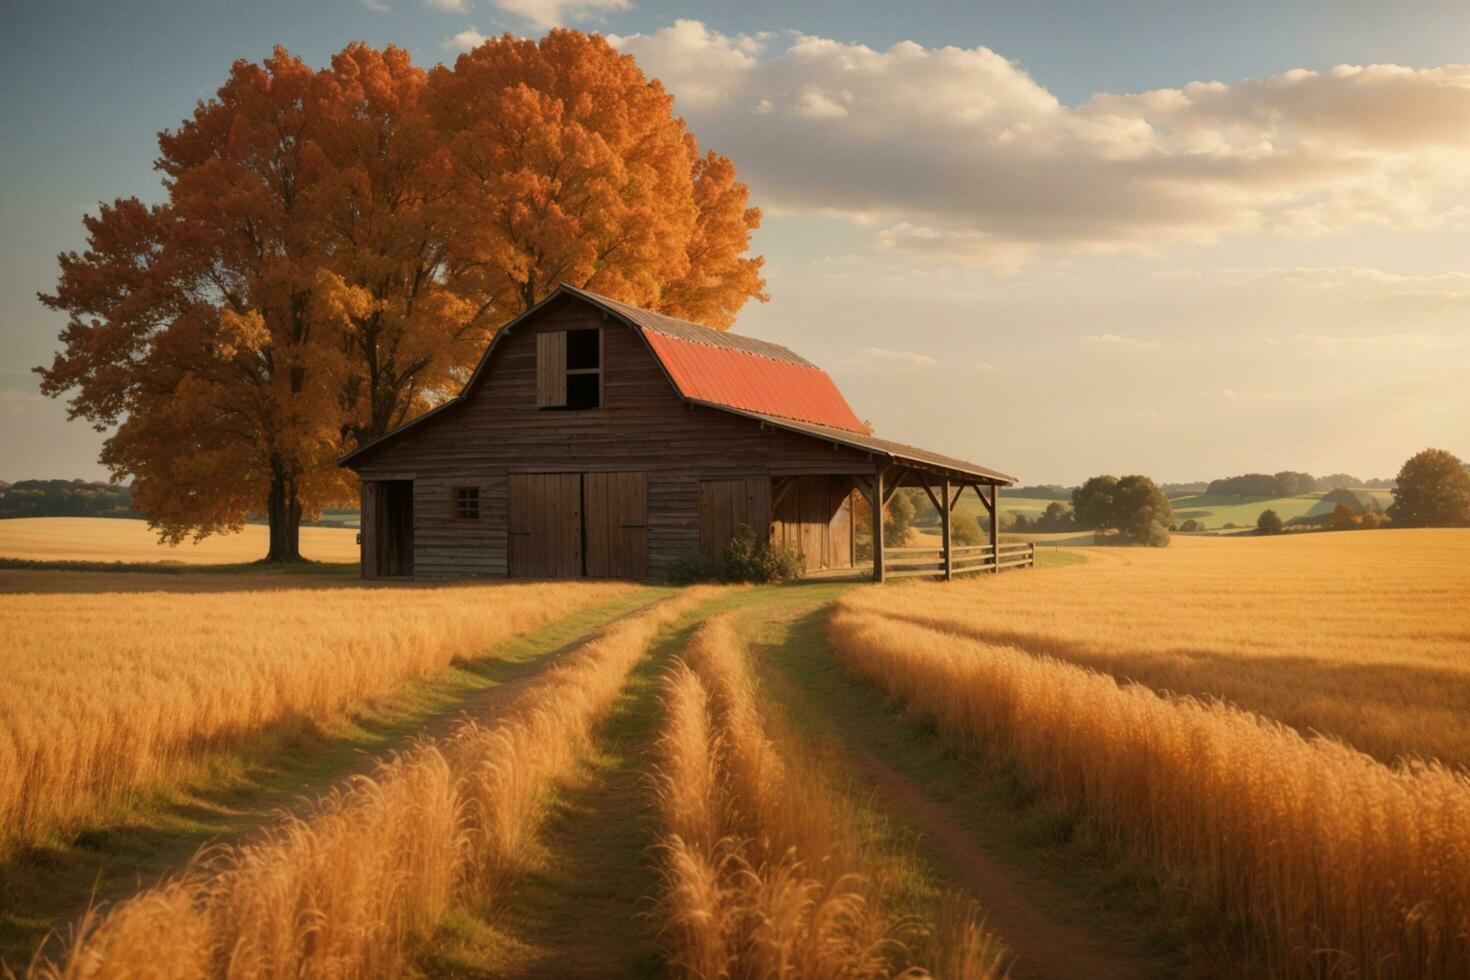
284, 513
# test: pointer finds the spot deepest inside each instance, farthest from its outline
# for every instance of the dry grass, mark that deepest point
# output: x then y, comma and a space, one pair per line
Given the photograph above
116, 539
1364, 635
351, 888
765, 871
106, 694
1335, 864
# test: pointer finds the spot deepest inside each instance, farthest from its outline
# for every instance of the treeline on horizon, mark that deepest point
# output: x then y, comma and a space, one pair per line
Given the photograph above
1287, 483
66, 498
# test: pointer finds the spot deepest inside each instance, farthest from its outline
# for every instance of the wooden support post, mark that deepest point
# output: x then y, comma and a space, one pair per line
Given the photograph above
994, 528
945, 532
877, 509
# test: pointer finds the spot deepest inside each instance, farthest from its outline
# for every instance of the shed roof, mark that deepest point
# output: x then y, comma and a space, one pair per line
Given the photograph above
897, 451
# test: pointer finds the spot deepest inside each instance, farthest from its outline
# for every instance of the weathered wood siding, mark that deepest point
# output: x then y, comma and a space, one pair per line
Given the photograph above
643, 425
724, 505
814, 516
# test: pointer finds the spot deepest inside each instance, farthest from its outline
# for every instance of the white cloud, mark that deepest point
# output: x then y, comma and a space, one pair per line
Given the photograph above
1111, 340
465, 40
449, 6
962, 155
554, 13
377, 6
698, 65
881, 357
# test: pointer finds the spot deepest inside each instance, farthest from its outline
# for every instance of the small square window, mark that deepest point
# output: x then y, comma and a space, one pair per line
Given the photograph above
467, 503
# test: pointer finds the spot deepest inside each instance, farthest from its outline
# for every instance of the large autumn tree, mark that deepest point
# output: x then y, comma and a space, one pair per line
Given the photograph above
197, 327
336, 247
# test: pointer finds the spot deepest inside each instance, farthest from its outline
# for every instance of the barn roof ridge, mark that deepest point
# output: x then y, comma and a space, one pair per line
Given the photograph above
696, 333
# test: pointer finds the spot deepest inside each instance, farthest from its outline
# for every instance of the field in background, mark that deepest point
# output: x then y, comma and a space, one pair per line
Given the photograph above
115, 539
1327, 860
108, 693
1364, 636
1213, 511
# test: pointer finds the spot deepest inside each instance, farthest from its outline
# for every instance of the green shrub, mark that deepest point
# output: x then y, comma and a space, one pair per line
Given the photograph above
1270, 522
749, 560
746, 560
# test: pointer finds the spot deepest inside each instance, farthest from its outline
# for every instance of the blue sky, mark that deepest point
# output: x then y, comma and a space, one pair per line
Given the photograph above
1061, 318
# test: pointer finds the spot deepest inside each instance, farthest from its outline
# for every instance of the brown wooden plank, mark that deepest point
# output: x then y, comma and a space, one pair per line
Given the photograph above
551, 369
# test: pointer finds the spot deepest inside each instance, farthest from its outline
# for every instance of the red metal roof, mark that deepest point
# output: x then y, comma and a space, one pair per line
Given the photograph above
753, 383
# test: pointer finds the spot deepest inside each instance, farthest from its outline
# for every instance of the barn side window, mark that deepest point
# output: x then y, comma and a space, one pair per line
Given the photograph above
467, 503
569, 369
584, 368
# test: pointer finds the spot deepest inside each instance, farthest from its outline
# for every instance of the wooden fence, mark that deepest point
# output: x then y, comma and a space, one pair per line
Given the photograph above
902, 562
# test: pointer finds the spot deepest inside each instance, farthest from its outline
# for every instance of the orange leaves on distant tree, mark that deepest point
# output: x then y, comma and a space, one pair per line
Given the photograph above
337, 246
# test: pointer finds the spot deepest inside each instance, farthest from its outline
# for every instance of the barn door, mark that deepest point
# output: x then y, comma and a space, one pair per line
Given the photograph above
545, 525
616, 506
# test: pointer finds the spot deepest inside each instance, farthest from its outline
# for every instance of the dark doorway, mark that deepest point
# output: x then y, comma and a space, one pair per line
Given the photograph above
394, 531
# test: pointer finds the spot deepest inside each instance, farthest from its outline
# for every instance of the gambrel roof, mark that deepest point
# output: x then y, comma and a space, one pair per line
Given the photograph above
729, 372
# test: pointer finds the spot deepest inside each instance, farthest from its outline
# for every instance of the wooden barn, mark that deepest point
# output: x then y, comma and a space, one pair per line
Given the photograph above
595, 438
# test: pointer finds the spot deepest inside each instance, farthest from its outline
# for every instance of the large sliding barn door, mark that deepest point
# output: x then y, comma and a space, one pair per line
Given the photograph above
616, 516
545, 525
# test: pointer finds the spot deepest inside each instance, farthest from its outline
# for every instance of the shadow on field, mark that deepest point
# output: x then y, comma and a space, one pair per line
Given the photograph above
1287, 688
247, 784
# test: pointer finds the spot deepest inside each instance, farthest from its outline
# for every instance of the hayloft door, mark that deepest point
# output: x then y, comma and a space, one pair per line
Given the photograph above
545, 525
616, 517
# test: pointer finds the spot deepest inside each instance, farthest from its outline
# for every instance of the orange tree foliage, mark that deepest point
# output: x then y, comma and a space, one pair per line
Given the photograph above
336, 247
568, 165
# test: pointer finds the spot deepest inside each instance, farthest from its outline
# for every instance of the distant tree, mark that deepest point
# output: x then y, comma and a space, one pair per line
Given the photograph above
1092, 503
65, 498
1343, 518
1372, 519
1338, 481
1142, 513
1433, 491
924, 512
1184, 489
1134, 507
1247, 485
898, 517
1269, 522
1019, 522
964, 530
1057, 517
1191, 525
1290, 483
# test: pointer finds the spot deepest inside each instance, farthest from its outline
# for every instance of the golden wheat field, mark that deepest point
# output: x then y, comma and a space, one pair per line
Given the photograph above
351, 887
766, 874
110, 692
1363, 636
116, 539
1337, 863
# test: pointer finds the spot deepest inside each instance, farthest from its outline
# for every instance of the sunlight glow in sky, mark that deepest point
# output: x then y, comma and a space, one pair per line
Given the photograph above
1058, 240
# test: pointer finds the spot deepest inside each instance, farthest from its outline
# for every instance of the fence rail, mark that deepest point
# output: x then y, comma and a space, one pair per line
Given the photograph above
914, 562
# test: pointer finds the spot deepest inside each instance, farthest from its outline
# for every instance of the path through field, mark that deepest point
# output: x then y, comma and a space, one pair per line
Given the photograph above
1015, 906
46, 890
1051, 931
588, 907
